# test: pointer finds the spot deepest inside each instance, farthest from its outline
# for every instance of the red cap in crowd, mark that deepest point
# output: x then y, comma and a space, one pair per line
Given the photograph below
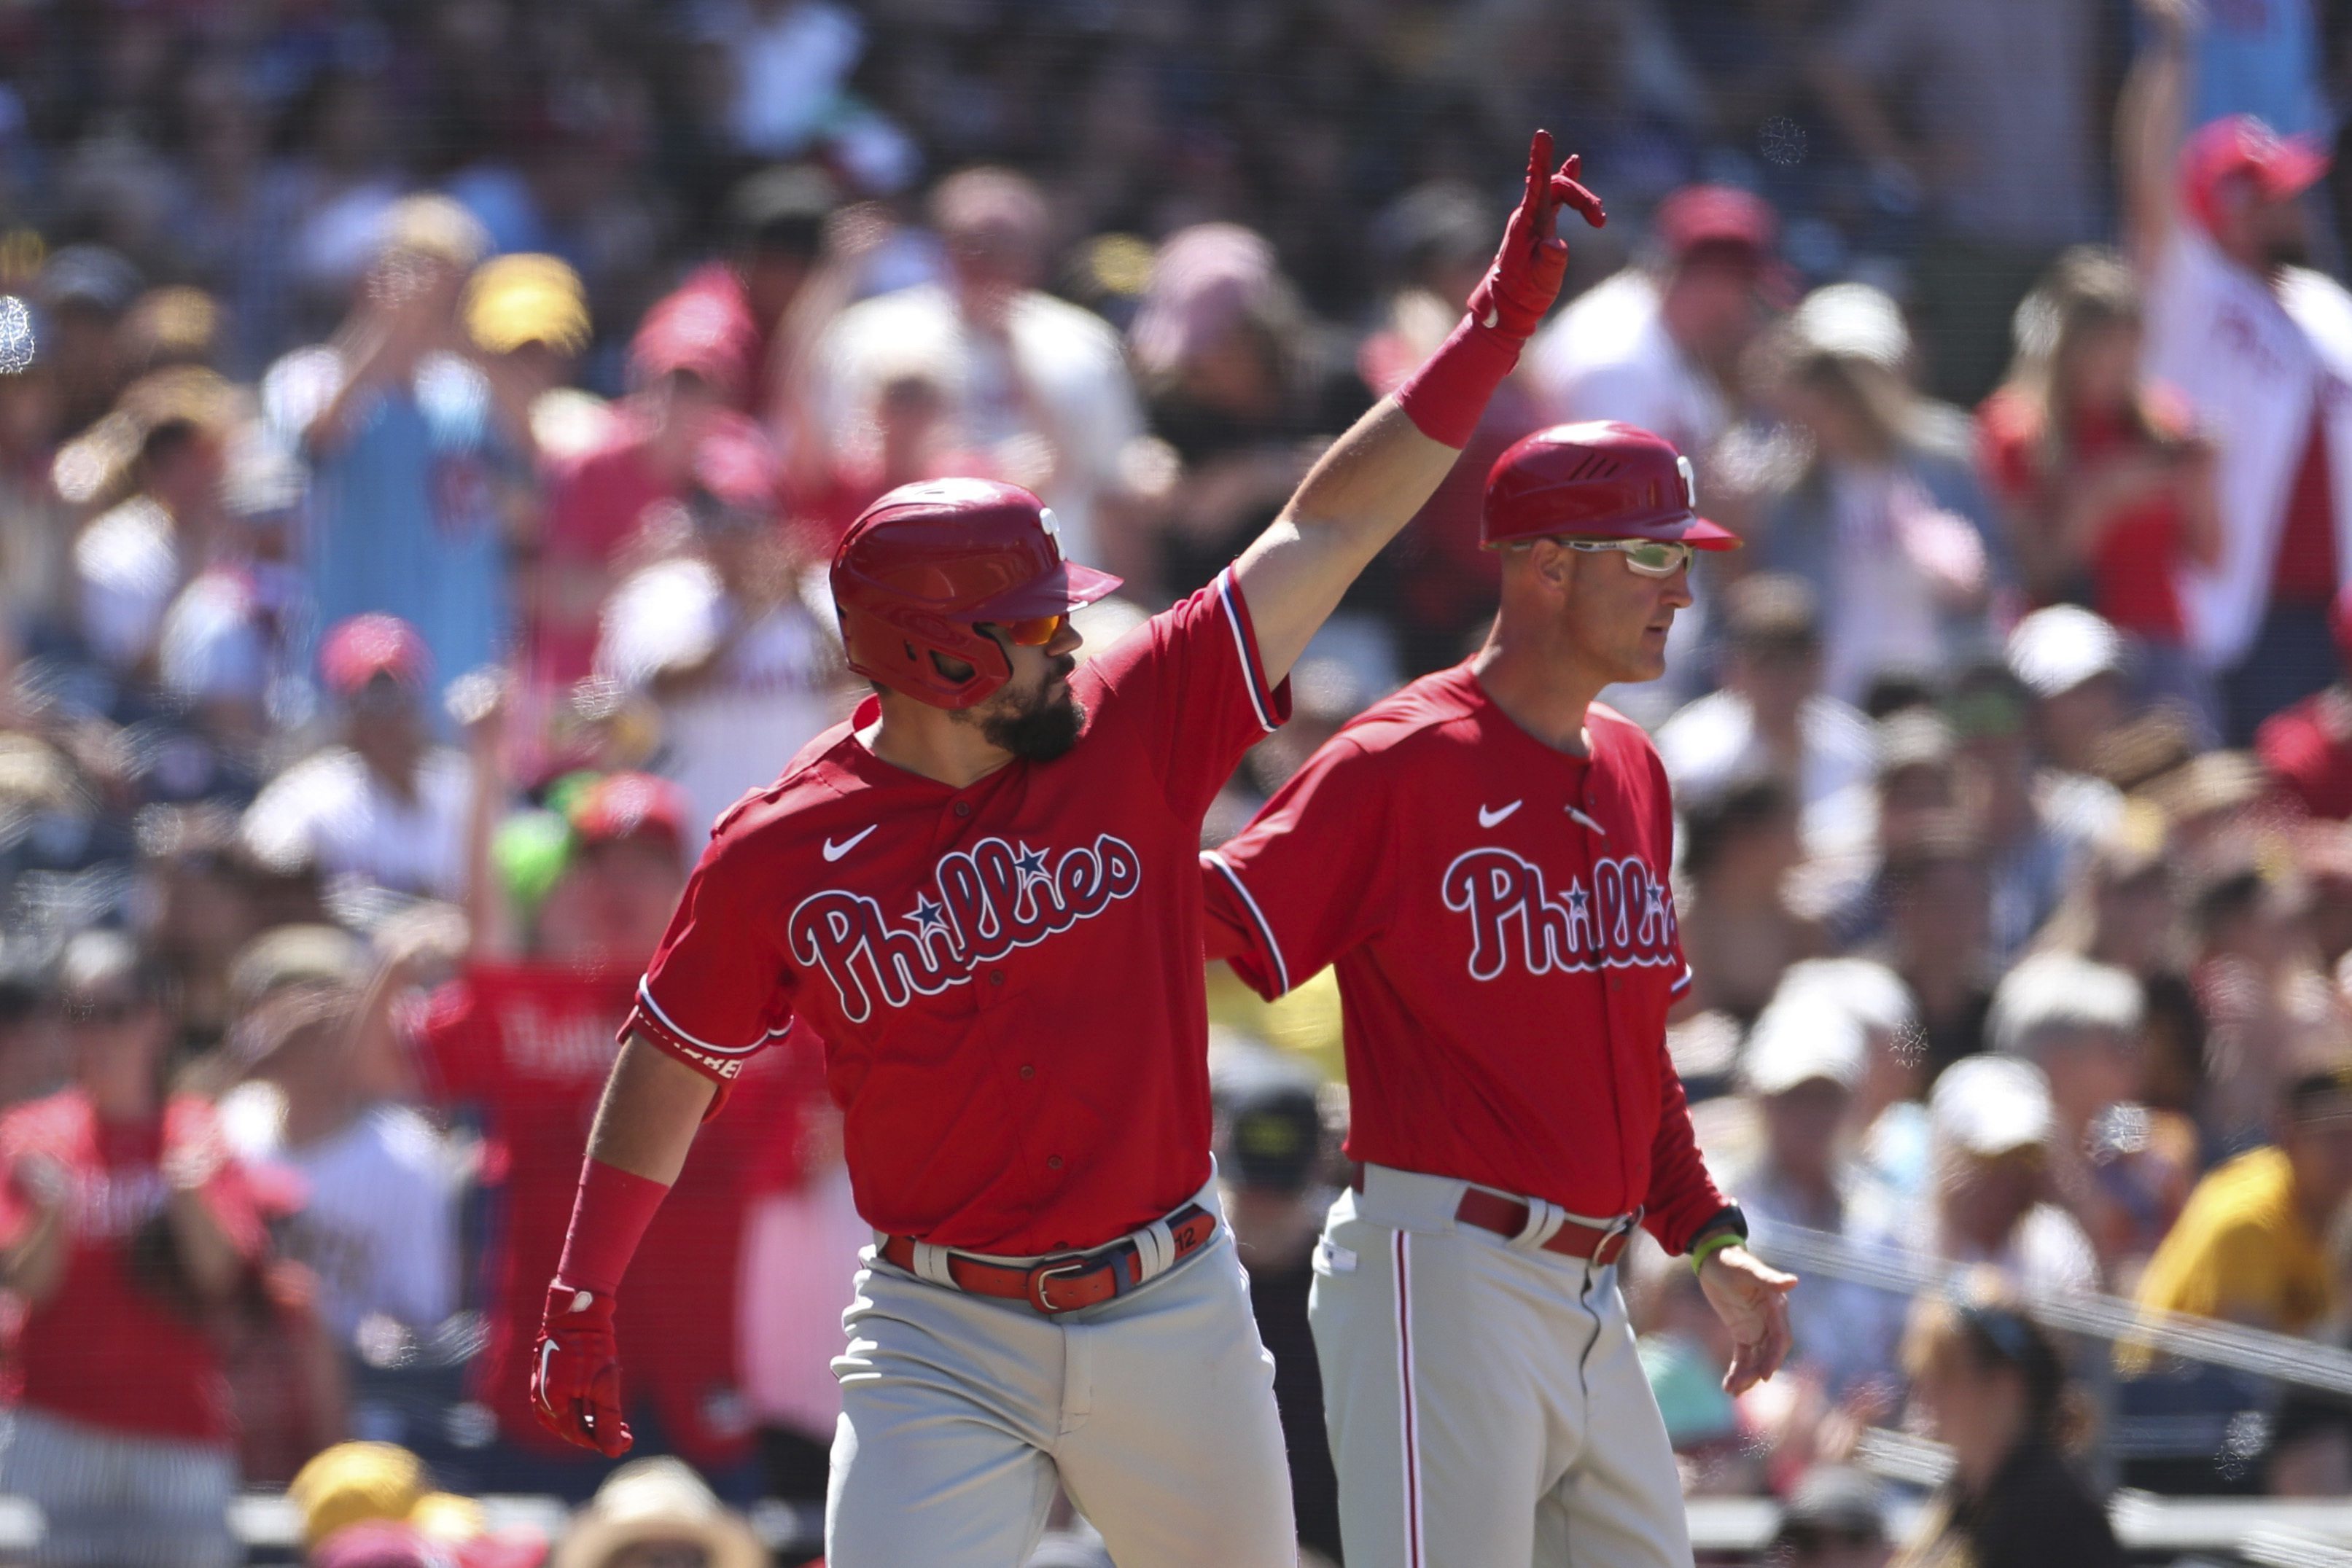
695, 332
359, 650
378, 1543
738, 468
627, 806
2240, 147
1698, 217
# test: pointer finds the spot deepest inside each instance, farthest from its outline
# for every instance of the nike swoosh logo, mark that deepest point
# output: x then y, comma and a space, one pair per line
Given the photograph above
546, 1355
1584, 821
1488, 819
834, 851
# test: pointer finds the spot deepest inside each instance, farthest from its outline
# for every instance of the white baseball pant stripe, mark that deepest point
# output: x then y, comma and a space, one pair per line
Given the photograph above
1154, 1411
1485, 1401
111, 1500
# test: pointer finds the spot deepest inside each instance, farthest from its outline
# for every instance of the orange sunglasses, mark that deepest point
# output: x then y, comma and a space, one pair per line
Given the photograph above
1036, 631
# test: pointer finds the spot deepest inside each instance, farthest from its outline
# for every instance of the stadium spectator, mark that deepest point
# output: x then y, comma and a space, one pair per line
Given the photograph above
2249, 1247
403, 434
2122, 1170
1659, 344
2267, 1008
1739, 844
386, 807
377, 1223
1979, 102
717, 634
1770, 710
83, 292
1882, 516
1991, 1125
1269, 1147
1939, 913
1835, 1518
2072, 666
2257, 342
125, 1222
1990, 1384
1804, 1061
1032, 379
2306, 748
2106, 487
228, 646
656, 1511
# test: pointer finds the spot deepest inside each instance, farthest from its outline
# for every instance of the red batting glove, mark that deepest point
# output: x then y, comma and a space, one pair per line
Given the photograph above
575, 1372
1517, 290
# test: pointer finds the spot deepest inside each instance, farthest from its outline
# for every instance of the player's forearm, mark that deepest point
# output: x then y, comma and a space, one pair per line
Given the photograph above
2150, 115
653, 1105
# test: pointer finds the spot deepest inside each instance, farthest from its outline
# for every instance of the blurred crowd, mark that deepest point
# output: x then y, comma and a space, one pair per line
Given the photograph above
423, 430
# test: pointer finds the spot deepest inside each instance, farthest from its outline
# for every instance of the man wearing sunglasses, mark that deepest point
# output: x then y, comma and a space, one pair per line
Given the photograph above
1484, 856
983, 892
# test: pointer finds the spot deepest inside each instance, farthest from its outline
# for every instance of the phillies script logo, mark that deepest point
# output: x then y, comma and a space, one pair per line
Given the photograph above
993, 898
1627, 917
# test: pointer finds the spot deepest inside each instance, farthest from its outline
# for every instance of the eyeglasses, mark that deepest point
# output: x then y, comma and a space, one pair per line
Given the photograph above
1036, 631
1647, 557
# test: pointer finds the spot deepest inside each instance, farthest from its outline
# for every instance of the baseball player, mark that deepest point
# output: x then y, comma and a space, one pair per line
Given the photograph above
983, 892
1483, 857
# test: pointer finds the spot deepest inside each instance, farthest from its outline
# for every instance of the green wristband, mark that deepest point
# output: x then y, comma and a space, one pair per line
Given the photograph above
1712, 1245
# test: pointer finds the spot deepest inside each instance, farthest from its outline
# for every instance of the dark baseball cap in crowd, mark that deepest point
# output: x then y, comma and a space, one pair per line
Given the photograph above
357, 650
1272, 1127
89, 276
1699, 217
2240, 147
1832, 1501
783, 208
627, 806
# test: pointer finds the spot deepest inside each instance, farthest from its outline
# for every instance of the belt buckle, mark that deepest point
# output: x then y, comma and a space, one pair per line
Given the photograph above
1620, 1232
1044, 1273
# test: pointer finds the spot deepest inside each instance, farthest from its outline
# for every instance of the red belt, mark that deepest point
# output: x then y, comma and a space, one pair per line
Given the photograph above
1508, 1216
1066, 1282
1574, 1238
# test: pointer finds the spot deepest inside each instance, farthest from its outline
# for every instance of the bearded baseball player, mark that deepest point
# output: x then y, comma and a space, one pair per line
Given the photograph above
983, 892
1484, 856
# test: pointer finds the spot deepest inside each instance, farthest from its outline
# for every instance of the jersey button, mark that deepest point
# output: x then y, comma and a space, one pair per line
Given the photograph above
963, 808
1027, 1072
1052, 1161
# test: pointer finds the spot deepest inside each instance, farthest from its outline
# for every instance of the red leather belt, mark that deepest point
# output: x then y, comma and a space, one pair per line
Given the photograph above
1068, 1281
1574, 1238
1508, 1216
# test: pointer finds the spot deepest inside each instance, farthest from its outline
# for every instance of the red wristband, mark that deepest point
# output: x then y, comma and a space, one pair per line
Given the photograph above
1447, 396
609, 1217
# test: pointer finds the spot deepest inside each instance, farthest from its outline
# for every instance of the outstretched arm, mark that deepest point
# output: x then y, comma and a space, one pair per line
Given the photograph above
2150, 115
1378, 474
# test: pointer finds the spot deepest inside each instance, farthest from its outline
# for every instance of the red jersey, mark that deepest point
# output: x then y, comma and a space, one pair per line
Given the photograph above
532, 1045
2133, 565
107, 1349
1007, 976
1506, 946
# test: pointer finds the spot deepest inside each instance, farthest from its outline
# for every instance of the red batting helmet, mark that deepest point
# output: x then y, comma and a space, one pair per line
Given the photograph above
1599, 480
925, 562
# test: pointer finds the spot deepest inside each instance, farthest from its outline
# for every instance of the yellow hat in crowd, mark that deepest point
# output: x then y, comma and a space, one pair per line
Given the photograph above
353, 1482
527, 298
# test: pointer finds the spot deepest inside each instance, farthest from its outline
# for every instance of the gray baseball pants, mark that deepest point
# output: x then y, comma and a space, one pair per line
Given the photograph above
1484, 1402
1154, 1411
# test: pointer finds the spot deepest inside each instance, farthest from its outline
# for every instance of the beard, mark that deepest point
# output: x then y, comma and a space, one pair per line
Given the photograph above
1041, 727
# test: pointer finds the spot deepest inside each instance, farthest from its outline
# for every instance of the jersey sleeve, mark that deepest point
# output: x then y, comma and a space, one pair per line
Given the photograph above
1311, 877
1190, 687
718, 990
1682, 1196
452, 1044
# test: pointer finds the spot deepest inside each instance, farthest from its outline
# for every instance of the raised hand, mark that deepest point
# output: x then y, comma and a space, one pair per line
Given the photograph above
1519, 288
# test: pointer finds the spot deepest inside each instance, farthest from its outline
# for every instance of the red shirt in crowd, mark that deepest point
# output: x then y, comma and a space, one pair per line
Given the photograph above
1008, 975
2133, 564
532, 1045
2303, 571
597, 502
1506, 946
108, 1350
2307, 751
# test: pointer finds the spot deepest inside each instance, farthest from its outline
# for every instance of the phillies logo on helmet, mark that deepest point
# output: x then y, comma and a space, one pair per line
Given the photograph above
990, 899
1625, 918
